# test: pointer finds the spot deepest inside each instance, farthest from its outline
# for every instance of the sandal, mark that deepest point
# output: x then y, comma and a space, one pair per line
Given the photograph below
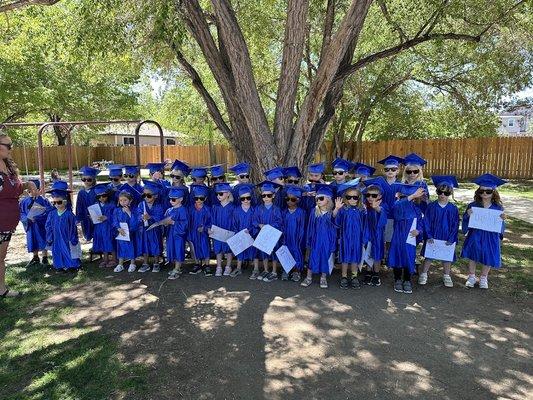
306, 282
9, 293
173, 275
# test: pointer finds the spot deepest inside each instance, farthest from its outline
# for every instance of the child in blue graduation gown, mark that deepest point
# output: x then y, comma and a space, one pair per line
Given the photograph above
480, 246
266, 214
104, 238
131, 173
35, 225
242, 173
156, 172
376, 221
391, 169
115, 182
350, 214
217, 176
178, 171
294, 219
243, 219
199, 223
402, 255
363, 172
199, 175
150, 242
276, 175
222, 216
315, 174
321, 237
292, 178
441, 222
413, 174
125, 213
341, 170
177, 230
86, 198
61, 231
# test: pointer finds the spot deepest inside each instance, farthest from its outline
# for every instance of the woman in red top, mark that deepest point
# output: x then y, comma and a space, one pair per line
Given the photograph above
11, 188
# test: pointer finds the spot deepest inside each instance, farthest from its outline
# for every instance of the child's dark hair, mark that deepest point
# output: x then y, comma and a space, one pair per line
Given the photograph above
375, 188
495, 199
446, 188
126, 195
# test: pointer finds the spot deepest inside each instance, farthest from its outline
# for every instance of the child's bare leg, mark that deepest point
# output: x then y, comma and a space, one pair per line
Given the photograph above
377, 266
344, 270
229, 259
274, 266
447, 266
177, 266
472, 267
427, 264
265, 264
485, 271
145, 258
256, 265
354, 268
219, 260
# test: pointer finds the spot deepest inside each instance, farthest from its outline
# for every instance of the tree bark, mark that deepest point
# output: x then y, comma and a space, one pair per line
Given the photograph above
61, 137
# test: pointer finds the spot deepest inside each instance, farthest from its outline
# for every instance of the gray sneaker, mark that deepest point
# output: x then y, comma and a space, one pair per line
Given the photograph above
255, 275
144, 268
262, 275
271, 277
284, 276
398, 286
407, 287
156, 268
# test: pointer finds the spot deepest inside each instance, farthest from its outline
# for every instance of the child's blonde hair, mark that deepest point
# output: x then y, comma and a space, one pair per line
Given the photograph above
419, 177
329, 206
359, 204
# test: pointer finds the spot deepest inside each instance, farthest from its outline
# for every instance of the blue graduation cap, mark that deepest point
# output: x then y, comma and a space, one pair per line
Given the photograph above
181, 166
295, 191
341, 164
268, 186
391, 161
177, 192
323, 189
115, 170
316, 168
155, 167
200, 190
131, 169
274, 173
378, 181
363, 169
245, 188
489, 181
64, 194
101, 188
129, 189
448, 180
152, 186
89, 171
222, 187
199, 172
414, 159
37, 183
240, 168
59, 185
292, 171
347, 186
217, 170
404, 188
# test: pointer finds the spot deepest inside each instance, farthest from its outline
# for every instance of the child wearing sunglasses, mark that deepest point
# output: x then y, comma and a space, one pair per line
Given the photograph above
61, 231
315, 175
86, 198
350, 214
391, 169
199, 176
243, 219
178, 171
413, 174
177, 231
441, 222
131, 173
321, 237
149, 243
294, 220
341, 168
104, 240
199, 223
242, 173
124, 213
115, 181
480, 246
277, 176
222, 216
217, 176
266, 214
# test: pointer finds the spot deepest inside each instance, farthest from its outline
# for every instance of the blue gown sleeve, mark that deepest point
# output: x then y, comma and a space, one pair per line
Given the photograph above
115, 222
81, 207
256, 220
277, 219
428, 233
49, 228
181, 222
73, 230
23, 208
454, 225
466, 218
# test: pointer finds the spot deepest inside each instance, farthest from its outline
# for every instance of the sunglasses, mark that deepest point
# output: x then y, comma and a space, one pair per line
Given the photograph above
445, 193
9, 146
58, 202
320, 198
198, 179
390, 169
291, 199
199, 198
218, 178
486, 191
147, 195
101, 195
176, 176
267, 195
246, 198
116, 179
352, 197
412, 171
244, 176
219, 194
130, 176
87, 179
372, 195
294, 181
172, 200
339, 172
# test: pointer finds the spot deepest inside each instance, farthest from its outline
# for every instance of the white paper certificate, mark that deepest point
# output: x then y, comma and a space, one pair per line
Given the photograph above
222, 235
389, 229
411, 239
486, 219
95, 212
267, 239
126, 238
285, 258
438, 250
240, 241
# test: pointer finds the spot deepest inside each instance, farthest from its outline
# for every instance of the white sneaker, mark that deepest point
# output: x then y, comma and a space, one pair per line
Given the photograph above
483, 282
144, 268
227, 271
218, 271
156, 268
447, 281
131, 268
423, 278
119, 268
471, 281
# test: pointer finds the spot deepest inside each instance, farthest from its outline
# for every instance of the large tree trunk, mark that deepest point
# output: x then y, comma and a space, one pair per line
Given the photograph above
58, 130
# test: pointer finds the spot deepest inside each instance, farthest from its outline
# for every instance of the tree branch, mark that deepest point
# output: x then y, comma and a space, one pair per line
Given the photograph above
395, 26
13, 5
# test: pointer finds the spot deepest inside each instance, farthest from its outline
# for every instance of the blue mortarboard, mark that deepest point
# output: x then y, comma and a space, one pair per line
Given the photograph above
152, 186
37, 183
59, 185
268, 186
165, 183
392, 161
323, 189
216, 170
378, 181
240, 168
155, 167
274, 173
199, 172
448, 180
89, 171
115, 170
342, 164
130, 189
181, 166
246, 188
200, 190
363, 169
347, 186
295, 191
177, 192
414, 159
404, 188
101, 188
131, 169
489, 180
292, 171
59, 193
222, 187
316, 168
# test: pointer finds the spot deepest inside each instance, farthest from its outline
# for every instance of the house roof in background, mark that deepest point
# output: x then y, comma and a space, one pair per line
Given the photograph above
146, 131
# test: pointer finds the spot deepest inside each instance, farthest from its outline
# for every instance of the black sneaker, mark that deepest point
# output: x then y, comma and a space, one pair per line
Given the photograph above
208, 271
354, 283
367, 278
345, 283
33, 261
44, 261
375, 280
196, 269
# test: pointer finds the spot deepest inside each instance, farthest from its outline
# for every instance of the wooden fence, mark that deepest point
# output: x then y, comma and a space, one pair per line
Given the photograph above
507, 157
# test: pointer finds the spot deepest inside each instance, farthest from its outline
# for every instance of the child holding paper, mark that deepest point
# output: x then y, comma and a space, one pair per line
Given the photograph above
402, 253
177, 232
125, 214
294, 219
391, 169
34, 224
86, 198
131, 173
321, 237
482, 246
266, 214
222, 216
103, 236
441, 222
199, 223
243, 219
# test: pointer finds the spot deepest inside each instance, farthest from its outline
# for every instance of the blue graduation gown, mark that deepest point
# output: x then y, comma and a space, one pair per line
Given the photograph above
103, 236
482, 246
222, 216
212, 197
423, 203
200, 240
351, 223
376, 223
115, 190
266, 216
441, 223
137, 198
36, 229
61, 232
126, 250
149, 242
85, 199
279, 198
308, 203
177, 233
294, 234
236, 199
244, 220
321, 241
389, 198
402, 254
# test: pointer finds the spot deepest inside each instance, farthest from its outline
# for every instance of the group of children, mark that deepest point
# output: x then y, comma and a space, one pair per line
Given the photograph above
356, 220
